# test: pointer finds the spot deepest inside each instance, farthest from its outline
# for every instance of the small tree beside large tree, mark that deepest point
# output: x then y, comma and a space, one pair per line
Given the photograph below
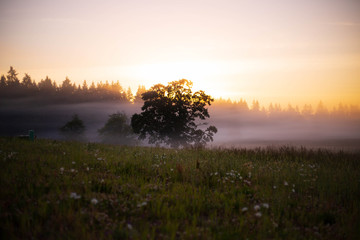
174, 115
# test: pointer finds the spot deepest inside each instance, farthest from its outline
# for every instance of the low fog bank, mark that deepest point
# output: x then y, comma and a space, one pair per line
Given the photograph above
236, 128
245, 128
18, 118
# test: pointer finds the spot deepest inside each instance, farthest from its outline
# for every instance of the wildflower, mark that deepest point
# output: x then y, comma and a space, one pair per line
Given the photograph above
72, 170
142, 204
265, 205
256, 207
274, 187
100, 159
249, 174
258, 214
129, 226
171, 169
216, 173
87, 169
94, 201
244, 209
74, 195
293, 190
247, 182
73, 162
61, 169
286, 183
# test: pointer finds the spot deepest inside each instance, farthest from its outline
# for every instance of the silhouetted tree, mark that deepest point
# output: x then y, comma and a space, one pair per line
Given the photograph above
74, 129
171, 115
26, 81
2, 82
255, 106
12, 79
67, 88
117, 130
129, 95
138, 96
47, 86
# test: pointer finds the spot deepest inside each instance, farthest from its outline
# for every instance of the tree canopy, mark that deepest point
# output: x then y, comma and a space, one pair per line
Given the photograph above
174, 115
117, 130
74, 129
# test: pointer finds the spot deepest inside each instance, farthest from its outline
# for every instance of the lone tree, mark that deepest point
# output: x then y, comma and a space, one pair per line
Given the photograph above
117, 130
73, 129
172, 115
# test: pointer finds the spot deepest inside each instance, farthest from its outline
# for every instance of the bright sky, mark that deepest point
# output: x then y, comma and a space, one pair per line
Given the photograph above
283, 51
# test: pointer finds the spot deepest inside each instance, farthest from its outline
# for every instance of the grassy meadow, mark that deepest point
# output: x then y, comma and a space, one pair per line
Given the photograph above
71, 190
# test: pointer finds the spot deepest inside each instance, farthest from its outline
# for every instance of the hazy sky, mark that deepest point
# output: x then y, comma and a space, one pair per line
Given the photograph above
284, 51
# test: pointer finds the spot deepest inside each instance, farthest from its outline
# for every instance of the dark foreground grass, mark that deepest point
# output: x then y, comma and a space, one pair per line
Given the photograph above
69, 190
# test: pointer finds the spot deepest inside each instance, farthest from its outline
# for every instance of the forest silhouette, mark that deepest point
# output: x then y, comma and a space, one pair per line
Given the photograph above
67, 92
49, 92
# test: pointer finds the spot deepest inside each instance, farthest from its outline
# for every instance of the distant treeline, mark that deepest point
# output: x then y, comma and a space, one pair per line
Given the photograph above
277, 110
11, 87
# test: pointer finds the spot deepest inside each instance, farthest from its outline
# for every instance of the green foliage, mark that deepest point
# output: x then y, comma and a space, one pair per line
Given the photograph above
74, 129
70, 190
171, 115
117, 130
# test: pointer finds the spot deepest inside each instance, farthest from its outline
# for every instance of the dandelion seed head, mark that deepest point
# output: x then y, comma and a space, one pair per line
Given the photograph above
74, 195
94, 201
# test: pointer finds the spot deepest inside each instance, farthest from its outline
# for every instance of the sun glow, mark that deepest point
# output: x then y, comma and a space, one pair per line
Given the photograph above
164, 72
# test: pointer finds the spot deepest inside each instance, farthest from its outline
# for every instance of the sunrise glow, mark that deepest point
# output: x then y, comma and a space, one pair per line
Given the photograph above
275, 51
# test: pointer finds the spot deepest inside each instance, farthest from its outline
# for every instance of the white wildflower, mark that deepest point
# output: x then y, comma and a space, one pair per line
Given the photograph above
74, 195
258, 214
94, 201
286, 183
62, 169
293, 190
274, 187
129, 226
256, 207
73, 162
142, 204
100, 159
244, 209
72, 170
265, 205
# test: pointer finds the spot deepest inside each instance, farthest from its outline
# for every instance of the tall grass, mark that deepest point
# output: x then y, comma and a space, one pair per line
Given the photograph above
70, 190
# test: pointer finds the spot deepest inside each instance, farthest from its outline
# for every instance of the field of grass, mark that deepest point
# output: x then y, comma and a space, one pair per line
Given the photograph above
69, 190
